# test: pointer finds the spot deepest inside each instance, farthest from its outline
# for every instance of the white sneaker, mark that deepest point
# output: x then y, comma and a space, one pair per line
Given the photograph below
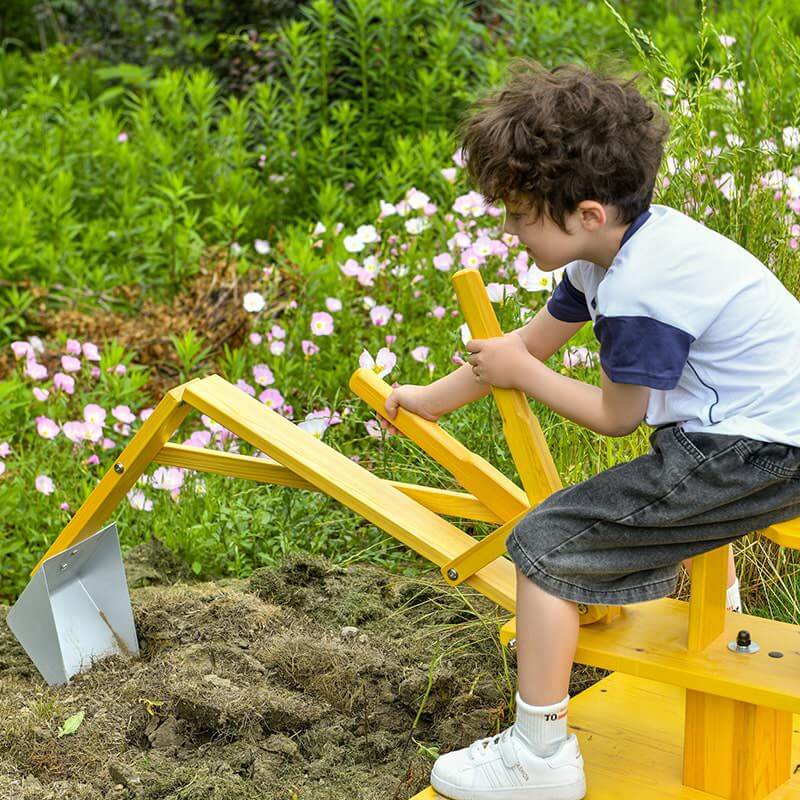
503, 767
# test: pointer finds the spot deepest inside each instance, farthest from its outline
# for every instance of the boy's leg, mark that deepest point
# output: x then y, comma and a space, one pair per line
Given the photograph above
733, 598
547, 635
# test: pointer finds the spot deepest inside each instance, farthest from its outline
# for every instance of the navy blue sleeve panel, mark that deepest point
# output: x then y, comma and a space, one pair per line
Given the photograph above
568, 303
642, 350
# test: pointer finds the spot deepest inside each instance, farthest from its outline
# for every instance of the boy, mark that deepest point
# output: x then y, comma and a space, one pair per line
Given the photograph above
697, 337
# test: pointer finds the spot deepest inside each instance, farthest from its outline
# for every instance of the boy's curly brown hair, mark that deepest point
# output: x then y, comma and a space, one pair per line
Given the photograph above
554, 137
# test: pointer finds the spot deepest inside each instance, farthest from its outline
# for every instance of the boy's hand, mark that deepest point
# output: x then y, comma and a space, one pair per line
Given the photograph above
499, 361
412, 398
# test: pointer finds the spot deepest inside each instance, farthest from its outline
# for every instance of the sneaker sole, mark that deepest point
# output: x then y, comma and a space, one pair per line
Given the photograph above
572, 791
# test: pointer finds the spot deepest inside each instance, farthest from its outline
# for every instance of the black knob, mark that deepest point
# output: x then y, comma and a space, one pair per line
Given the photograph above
743, 639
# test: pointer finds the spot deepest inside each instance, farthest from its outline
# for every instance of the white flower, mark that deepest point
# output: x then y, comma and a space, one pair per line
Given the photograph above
262, 246
791, 137
727, 41
726, 184
465, 333
353, 244
253, 301
383, 363
535, 280
499, 291
417, 199
316, 426
668, 86
417, 224
368, 234
387, 209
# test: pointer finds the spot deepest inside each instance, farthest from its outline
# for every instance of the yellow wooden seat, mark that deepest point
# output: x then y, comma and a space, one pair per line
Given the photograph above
682, 717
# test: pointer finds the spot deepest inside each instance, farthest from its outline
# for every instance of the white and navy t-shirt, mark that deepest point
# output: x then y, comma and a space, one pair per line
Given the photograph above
691, 314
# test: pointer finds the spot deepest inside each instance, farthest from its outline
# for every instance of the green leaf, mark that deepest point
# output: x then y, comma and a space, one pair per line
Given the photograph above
71, 724
197, 567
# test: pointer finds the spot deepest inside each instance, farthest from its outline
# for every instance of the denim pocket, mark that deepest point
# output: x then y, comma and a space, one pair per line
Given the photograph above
688, 445
780, 460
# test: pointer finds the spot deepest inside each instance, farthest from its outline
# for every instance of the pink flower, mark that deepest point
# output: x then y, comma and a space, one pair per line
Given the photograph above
5, 449
145, 413
64, 506
390, 339
122, 428
321, 323
255, 338
420, 353
309, 348
122, 137
438, 312
167, 478
75, 430
263, 375
277, 347
64, 383
40, 394
70, 364
73, 347
579, 356
108, 444
92, 460
380, 315
123, 414
138, 501
90, 352
44, 484
373, 428
443, 262
271, 398
22, 349
94, 413
246, 387
333, 304
46, 427
35, 370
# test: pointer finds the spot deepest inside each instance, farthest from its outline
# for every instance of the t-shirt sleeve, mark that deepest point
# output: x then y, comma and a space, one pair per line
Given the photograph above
568, 302
642, 350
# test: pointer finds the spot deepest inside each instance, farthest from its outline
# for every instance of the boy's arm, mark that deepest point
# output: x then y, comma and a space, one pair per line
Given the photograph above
543, 336
612, 409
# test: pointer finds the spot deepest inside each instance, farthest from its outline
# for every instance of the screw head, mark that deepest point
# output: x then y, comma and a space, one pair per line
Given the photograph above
582, 608
119, 468
452, 574
512, 644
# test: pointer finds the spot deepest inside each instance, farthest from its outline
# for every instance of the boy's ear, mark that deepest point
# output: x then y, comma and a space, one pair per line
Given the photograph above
593, 215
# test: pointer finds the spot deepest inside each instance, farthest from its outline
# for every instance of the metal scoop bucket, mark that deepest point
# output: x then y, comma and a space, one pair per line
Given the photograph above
76, 609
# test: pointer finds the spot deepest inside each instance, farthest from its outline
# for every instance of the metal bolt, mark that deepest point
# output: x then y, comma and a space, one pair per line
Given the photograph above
63, 566
582, 608
118, 468
75, 552
743, 643
452, 574
512, 644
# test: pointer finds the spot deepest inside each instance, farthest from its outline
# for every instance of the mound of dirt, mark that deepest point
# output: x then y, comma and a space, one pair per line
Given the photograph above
309, 680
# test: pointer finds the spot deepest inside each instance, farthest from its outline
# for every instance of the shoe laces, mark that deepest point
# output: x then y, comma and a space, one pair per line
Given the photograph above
490, 745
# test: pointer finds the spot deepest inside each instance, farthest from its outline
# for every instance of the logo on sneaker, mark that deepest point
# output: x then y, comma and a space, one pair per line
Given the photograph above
523, 771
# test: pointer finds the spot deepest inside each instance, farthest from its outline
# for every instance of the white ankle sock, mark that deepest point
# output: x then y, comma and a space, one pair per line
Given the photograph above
733, 599
543, 728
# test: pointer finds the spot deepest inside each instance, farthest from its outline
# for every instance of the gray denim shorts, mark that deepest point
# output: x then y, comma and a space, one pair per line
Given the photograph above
619, 537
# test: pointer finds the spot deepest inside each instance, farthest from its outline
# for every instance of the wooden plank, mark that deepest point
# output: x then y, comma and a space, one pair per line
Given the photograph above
265, 470
474, 473
521, 429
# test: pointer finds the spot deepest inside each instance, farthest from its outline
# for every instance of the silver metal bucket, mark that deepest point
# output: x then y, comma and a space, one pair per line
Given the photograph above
76, 609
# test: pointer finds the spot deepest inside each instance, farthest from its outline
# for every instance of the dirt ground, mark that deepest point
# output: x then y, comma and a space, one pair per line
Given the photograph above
309, 680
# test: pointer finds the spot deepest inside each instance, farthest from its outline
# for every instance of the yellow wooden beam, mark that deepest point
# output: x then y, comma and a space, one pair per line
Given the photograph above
473, 472
521, 429
265, 470
649, 640
120, 479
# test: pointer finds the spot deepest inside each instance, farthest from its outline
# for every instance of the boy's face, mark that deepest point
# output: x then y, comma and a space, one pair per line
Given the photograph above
546, 243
